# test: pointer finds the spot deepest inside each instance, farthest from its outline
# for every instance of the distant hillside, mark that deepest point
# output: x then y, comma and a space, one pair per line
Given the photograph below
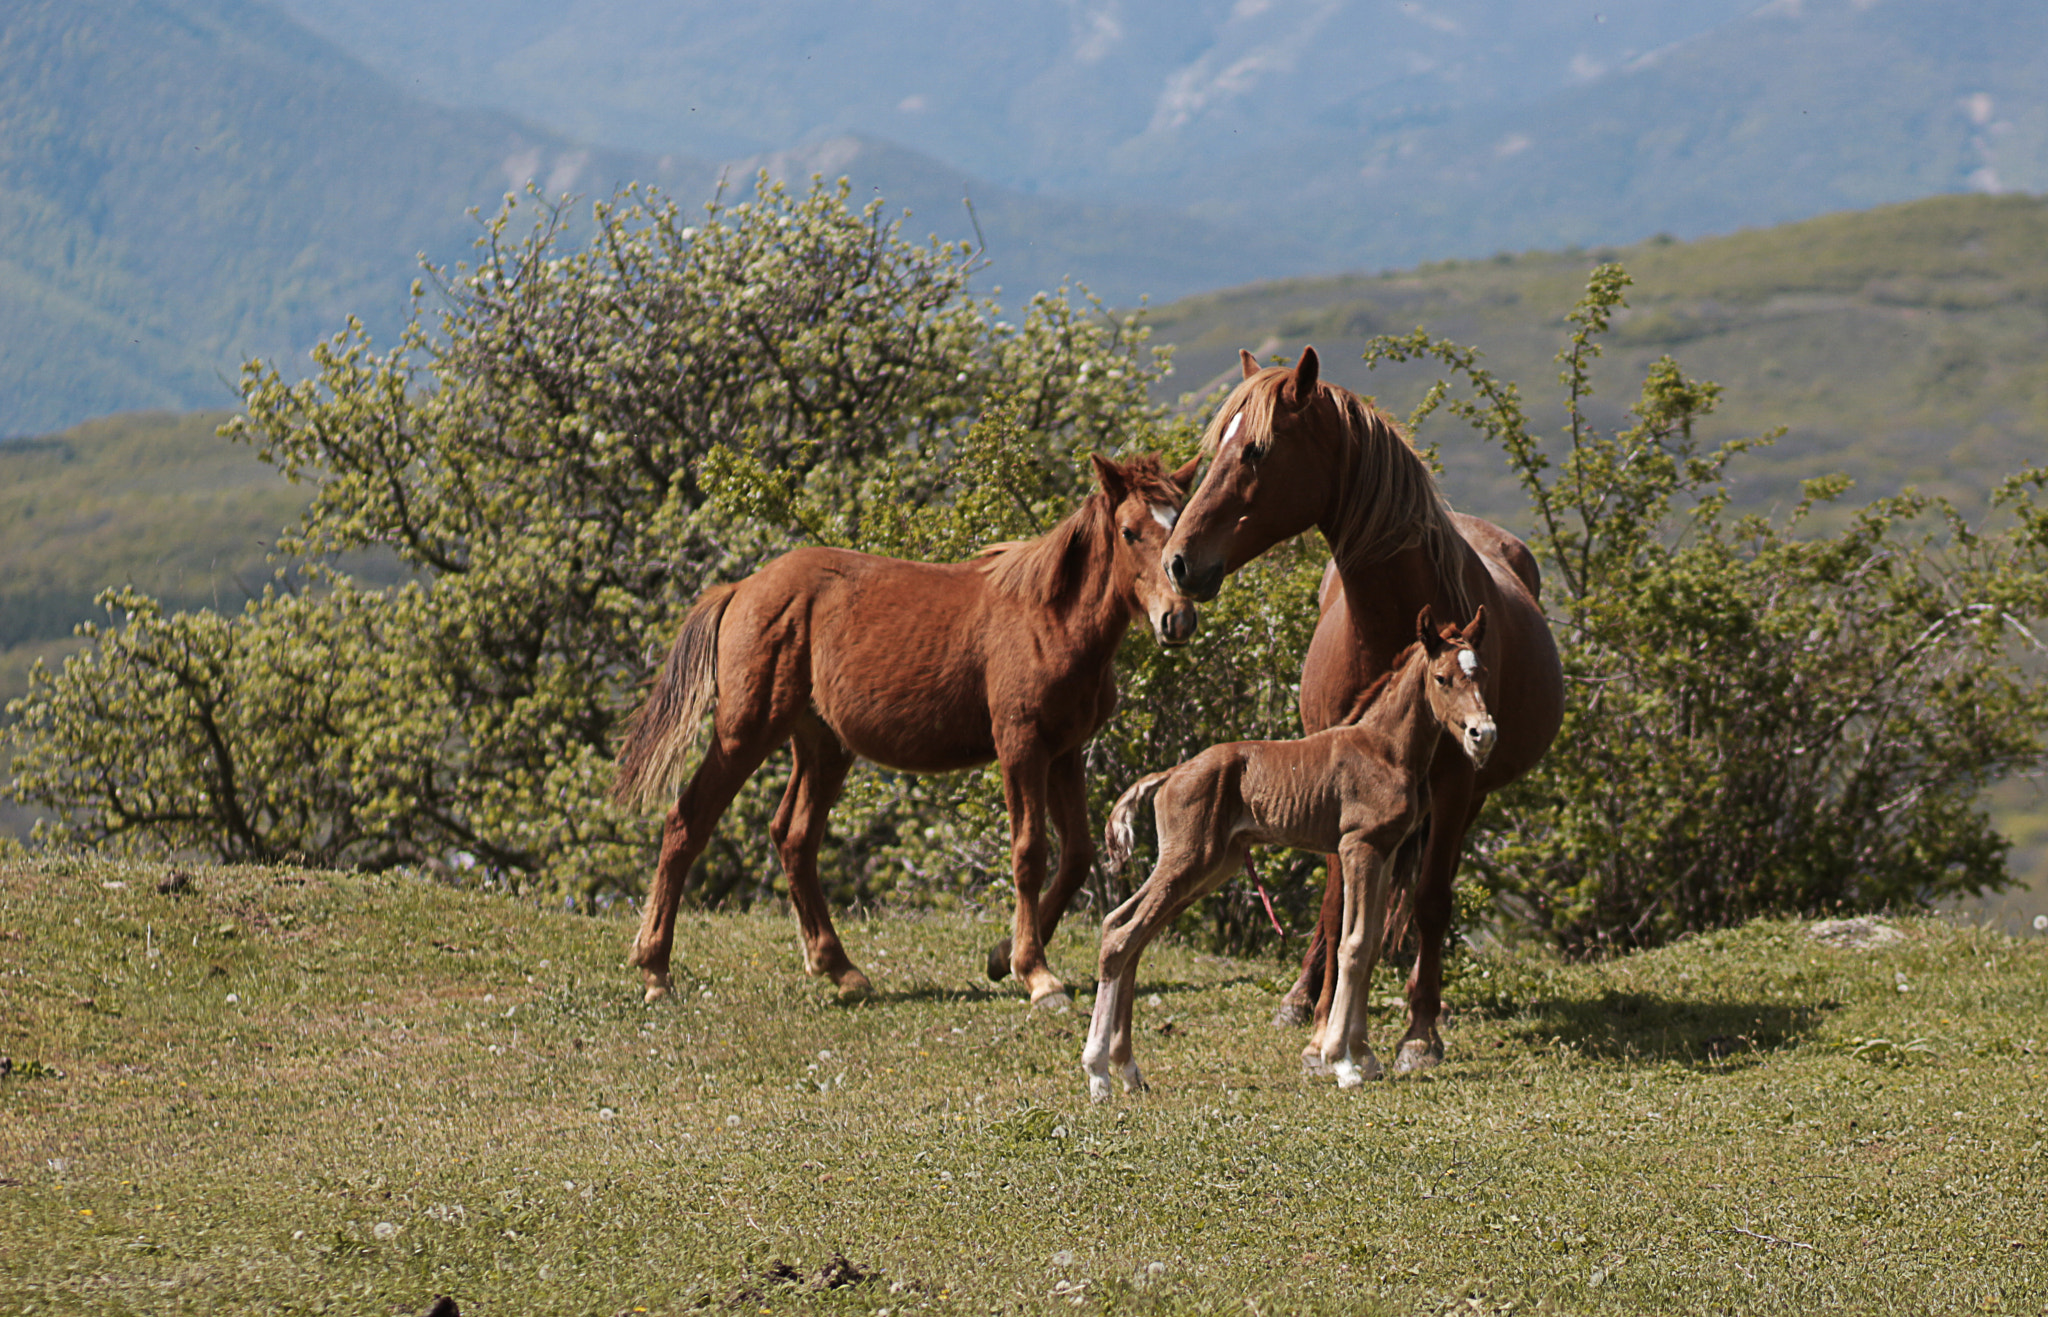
1375, 133
186, 184
1903, 345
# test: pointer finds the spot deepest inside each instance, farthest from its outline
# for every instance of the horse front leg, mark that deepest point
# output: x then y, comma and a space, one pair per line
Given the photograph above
1453, 807
1067, 805
1345, 1049
1024, 791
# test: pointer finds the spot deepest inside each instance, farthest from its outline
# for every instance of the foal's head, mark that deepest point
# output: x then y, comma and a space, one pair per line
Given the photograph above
1144, 503
1452, 681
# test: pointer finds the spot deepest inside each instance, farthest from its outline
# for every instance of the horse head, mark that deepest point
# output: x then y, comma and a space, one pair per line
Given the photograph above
1453, 682
1270, 477
1144, 505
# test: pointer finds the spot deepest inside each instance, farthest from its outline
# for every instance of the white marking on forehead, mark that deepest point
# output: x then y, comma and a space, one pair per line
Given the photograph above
1469, 662
1230, 431
1164, 515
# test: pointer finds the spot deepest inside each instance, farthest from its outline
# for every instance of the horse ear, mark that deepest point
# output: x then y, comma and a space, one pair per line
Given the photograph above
1185, 477
1301, 384
1110, 476
1425, 631
1476, 627
1249, 362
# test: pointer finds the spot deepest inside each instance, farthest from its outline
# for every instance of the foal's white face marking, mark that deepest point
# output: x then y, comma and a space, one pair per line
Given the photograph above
1468, 661
1164, 515
1230, 431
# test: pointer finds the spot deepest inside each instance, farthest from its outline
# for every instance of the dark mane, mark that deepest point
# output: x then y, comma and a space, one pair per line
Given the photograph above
1389, 500
1066, 558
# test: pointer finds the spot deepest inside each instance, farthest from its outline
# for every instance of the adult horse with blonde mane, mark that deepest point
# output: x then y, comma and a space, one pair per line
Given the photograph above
923, 667
1290, 451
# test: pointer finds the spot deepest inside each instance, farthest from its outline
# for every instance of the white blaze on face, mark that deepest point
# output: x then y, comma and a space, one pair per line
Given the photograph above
1468, 661
1164, 515
1230, 431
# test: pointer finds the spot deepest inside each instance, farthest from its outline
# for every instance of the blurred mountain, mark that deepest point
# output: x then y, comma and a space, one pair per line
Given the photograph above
187, 184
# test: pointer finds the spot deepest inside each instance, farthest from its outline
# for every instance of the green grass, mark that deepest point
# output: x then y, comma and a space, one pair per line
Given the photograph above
296, 1092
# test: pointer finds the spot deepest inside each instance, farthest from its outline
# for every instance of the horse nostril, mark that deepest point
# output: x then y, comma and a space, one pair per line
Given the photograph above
1177, 568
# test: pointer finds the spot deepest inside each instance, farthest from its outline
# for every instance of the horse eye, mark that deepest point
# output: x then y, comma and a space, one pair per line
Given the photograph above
1130, 536
1443, 679
1254, 452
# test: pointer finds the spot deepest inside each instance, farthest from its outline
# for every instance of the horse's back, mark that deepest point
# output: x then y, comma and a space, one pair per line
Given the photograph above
883, 649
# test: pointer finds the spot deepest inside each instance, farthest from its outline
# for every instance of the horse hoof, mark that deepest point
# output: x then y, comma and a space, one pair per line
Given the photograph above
1416, 1056
657, 992
1098, 1086
1133, 1081
1293, 1014
854, 987
999, 961
1312, 1063
1056, 1002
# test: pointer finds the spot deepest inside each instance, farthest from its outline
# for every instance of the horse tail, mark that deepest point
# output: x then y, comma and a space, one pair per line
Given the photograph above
663, 730
1117, 838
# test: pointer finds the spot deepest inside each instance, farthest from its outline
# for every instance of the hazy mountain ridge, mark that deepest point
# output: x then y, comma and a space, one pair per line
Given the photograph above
187, 184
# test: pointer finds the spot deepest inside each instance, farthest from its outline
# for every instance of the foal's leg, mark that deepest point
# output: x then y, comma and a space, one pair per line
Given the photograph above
1024, 791
1067, 803
822, 762
1345, 1048
1177, 881
1453, 807
728, 763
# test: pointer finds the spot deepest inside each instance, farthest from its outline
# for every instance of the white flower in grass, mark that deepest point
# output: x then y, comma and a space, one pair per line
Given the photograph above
2041, 923
384, 1230
1063, 1258
732, 1122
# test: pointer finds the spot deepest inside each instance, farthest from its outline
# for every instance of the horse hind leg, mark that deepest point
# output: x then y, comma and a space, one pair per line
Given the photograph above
685, 833
1173, 886
821, 765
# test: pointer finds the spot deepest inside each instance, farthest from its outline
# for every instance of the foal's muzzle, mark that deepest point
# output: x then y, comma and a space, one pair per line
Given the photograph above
1478, 740
1175, 626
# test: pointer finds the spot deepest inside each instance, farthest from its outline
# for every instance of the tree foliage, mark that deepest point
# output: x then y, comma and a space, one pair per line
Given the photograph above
543, 462
1762, 717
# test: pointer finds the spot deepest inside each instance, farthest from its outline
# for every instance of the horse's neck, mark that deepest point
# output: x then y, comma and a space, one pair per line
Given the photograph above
1382, 598
1097, 610
1402, 722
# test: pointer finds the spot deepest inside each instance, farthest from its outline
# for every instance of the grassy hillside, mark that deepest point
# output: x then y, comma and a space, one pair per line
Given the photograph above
154, 500
1902, 344
291, 1092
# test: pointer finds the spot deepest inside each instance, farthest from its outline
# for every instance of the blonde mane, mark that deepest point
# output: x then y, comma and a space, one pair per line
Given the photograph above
1387, 498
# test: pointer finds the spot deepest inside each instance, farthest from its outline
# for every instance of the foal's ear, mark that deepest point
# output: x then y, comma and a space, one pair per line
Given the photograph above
1110, 476
1425, 631
1300, 388
1248, 362
1185, 477
1476, 628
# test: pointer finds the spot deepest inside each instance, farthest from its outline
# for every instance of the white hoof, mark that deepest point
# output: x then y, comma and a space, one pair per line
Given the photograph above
1133, 1081
1098, 1087
1053, 1003
1312, 1063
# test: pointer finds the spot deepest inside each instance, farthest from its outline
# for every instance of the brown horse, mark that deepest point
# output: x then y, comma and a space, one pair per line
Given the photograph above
1358, 791
1290, 452
924, 667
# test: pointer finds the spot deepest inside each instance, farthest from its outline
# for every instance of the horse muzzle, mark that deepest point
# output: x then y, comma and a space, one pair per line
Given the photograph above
1175, 626
1478, 741
1199, 585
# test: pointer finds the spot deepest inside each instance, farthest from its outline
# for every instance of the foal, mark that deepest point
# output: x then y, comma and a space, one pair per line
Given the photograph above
1357, 790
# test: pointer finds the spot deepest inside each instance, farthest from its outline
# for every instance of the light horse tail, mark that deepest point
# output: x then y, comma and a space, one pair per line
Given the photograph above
1117, 837
663, 730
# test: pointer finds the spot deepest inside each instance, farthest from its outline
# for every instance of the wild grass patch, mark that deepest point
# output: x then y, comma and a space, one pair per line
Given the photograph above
295, 1091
